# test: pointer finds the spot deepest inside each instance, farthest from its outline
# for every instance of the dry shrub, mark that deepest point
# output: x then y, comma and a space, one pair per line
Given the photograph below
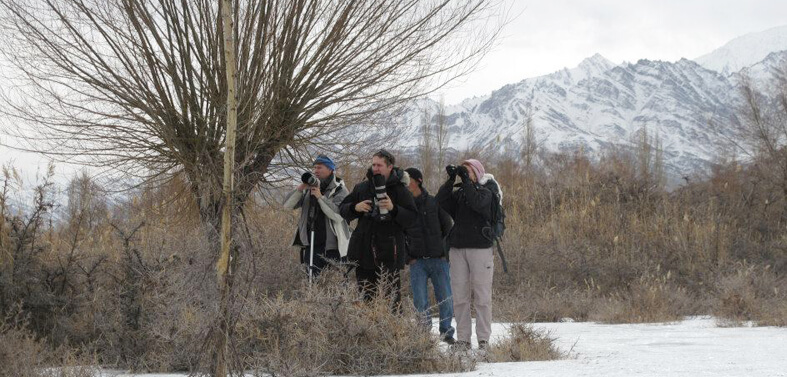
22, 355
328, 329
752, 294
530, 303
524, 344
649, 299
592, 239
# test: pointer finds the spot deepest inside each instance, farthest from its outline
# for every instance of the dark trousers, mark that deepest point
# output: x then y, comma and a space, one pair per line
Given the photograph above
370, 281
322, 259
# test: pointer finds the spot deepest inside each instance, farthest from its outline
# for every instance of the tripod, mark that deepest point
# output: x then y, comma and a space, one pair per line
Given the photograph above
312, 219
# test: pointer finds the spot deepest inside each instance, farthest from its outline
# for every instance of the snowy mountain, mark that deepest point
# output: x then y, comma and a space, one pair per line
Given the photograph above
745, 51
598, 106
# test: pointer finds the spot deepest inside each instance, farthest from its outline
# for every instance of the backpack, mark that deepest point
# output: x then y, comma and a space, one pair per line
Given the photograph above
498, 223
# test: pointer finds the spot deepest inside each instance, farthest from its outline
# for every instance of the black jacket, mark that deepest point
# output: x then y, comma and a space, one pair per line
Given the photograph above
470, 205
380, 243
427, 237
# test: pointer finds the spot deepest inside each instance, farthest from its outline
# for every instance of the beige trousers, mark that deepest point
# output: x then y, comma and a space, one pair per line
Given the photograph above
471, 279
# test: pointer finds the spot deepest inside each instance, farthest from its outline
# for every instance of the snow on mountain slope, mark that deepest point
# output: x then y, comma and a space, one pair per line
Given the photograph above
598, 106
692, 106
745, 51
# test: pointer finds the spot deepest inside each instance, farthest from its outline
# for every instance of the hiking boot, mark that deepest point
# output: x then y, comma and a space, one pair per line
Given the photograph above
483, 351
448, 339
460, 346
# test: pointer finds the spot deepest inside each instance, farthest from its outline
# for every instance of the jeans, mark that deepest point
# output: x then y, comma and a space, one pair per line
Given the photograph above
438, 271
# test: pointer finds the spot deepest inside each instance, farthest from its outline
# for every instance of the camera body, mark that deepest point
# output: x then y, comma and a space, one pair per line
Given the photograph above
310, 179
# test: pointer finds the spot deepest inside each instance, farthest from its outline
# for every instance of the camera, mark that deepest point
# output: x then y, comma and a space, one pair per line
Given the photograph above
452, 170
379, 194
310, 179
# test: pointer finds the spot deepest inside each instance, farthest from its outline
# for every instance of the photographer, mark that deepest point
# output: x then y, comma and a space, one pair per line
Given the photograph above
384, 209
426, 250
319, 197
470, 205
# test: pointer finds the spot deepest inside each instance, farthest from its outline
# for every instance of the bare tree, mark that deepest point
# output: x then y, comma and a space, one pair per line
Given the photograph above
433, 144
530, 145
442, 138
140, 86
426, 147
649, 157
765, 129
224, 267
3, 203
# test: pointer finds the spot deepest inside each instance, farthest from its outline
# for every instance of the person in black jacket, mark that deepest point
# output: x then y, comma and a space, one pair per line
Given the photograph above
426, 250
377, 244
470, 205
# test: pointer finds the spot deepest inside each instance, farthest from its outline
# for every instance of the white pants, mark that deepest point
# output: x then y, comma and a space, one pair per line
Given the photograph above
471, 278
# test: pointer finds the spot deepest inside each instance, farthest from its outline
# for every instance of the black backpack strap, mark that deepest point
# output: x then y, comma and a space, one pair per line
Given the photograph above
502, 257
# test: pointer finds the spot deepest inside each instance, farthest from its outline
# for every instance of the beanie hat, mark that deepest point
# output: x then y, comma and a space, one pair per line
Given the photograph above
476, 166
325, 160
415, 174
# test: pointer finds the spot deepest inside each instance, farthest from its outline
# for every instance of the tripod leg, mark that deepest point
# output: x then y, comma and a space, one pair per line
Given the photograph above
311, 258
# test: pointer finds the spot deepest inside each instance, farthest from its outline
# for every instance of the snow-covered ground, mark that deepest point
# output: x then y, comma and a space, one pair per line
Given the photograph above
694, 347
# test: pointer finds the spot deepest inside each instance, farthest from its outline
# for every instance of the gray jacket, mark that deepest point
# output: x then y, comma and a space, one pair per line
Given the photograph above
338, 235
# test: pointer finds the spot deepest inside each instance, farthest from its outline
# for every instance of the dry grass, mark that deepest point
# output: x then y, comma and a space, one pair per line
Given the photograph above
524, 344
586, 240
752, 294
601, 241
647, 300
22, 355
329, 329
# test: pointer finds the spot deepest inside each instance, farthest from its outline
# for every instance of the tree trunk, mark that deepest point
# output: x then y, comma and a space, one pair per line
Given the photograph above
224, 264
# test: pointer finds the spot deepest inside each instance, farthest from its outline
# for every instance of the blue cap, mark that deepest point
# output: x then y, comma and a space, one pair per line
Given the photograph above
323, 159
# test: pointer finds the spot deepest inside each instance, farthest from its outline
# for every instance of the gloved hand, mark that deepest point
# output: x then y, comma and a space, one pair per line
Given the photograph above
463, 174
451, 170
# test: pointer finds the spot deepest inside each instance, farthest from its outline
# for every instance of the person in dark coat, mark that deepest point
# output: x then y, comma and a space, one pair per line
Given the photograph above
377, 244
426, 250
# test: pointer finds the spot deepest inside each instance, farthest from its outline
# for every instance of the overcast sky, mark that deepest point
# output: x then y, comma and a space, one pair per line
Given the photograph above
548, 35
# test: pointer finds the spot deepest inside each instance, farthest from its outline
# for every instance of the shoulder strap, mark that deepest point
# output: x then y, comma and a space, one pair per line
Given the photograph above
502, 257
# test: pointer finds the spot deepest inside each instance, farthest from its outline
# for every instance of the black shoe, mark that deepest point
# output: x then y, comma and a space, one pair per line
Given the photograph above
448, 339
483, 345
460, 346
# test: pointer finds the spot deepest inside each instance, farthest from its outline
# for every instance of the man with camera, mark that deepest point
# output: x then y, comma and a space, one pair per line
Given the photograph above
426, 251
470, 205
384, 208
322, 234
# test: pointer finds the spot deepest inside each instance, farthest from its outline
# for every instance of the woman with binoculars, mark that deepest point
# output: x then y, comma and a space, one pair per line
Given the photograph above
469, 203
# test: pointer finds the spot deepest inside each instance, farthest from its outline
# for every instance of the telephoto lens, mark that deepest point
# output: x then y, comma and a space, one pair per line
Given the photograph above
451, 170
379, 193
310, 179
